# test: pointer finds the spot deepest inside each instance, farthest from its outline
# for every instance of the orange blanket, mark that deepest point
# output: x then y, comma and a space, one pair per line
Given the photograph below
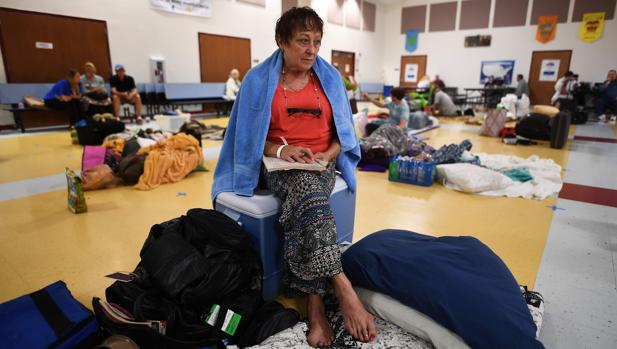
169, 161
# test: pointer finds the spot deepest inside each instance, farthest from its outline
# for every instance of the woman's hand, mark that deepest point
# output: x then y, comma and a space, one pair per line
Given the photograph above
323, 157
297, 154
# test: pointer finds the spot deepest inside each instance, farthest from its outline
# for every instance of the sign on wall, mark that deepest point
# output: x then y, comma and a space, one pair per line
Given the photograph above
157, 70
498, 69
549, 69
411, 40
411, 73
592, 27
478, 40
547, 28
200, 8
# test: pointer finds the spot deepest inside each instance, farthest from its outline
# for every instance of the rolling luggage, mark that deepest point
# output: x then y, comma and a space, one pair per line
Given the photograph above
560, 125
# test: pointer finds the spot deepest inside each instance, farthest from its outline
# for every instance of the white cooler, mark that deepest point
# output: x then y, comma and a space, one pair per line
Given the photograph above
259, 216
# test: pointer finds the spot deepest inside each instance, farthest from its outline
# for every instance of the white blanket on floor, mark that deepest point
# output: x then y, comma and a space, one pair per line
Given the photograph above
545, 172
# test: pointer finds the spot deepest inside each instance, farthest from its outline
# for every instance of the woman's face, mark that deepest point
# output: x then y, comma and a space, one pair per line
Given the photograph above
75, 79
301, 51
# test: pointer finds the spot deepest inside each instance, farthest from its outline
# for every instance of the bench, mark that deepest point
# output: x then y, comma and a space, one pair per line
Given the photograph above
371, 88
13, 95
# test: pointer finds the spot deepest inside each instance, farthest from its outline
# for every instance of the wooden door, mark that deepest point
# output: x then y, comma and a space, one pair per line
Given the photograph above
218, 55
40, 47
541, 89
344, 62
409, 64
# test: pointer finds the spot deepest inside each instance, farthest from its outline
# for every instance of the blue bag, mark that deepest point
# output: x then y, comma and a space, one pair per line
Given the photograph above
47, 318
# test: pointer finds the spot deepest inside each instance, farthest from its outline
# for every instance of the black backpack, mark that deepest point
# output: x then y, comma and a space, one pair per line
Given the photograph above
534, 126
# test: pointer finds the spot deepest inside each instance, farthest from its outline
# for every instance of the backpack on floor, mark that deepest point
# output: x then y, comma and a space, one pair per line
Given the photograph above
534, 126
48, 318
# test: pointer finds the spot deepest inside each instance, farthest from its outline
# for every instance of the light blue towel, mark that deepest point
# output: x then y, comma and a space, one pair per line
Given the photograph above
240, 159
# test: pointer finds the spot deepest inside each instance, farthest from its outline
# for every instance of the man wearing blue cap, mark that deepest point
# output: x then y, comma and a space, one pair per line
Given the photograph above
124, 90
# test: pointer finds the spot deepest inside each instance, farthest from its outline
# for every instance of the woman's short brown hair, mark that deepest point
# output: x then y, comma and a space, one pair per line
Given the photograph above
294, 20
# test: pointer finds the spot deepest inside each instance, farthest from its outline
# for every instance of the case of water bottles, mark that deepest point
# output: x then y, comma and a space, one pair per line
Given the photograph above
411, 170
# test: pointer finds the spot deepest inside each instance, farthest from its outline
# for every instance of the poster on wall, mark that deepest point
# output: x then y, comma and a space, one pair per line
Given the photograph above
199, 8
549, 69
157, 70
478, 40
592, 27
497, 69
547, 28
411, 73
411, 41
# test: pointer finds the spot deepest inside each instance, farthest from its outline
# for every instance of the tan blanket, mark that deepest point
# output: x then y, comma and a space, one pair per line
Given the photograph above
169, 161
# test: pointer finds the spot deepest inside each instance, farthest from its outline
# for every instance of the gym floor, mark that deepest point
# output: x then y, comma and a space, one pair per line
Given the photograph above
564, 247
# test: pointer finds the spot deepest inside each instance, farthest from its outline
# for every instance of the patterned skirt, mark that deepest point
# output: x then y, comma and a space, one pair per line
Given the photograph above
310, 250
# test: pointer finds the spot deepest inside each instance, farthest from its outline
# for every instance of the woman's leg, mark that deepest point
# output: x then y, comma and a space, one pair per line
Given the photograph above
320, 333
358, 322
312, 255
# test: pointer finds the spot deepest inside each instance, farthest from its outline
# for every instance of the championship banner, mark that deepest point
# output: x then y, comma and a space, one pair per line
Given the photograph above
547, 28
592, 27
411, 40
199, 8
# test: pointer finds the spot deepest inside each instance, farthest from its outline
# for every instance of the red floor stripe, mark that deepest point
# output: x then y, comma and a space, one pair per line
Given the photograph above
595, 139
592, 195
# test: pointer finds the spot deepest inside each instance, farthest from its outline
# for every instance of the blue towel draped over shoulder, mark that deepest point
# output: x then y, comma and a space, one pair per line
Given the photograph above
239, 163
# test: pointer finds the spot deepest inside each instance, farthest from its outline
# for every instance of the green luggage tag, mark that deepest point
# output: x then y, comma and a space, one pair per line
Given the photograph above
231, 322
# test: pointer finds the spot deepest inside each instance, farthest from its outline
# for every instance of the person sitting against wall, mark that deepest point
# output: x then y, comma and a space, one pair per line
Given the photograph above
398, 110
66, 95
96, 98
608, 98
293, 106
124, 90
443, 104
521, 87
233, 85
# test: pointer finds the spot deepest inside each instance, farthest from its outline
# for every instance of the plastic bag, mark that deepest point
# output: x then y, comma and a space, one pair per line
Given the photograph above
99, 177
76, 199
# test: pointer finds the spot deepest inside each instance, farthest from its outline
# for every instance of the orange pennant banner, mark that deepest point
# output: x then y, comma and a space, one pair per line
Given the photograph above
547, 28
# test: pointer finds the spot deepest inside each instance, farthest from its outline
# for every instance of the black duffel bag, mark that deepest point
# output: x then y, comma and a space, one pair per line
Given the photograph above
534, 126
90, 132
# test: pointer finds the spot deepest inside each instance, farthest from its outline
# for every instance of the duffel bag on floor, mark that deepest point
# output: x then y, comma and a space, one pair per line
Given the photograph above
534, 126
47, 318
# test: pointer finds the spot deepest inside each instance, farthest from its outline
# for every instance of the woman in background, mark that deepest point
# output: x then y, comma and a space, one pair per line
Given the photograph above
233, 84
66, 95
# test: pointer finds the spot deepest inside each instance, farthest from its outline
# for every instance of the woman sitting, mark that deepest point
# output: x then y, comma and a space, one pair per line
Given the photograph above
294, 106
66, 95
96, 97
233, 85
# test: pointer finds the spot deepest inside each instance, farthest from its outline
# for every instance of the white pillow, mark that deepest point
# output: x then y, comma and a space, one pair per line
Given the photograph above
409, 319
471, 178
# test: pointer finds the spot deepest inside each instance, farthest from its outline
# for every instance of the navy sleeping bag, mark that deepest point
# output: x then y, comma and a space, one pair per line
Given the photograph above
457, 281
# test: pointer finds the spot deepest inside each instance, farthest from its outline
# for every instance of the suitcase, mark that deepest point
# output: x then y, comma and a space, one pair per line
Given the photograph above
259, 215
48, 318
560, 125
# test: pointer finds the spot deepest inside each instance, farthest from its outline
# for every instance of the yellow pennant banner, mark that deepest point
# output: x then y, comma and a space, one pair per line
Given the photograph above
592, 27
547, 28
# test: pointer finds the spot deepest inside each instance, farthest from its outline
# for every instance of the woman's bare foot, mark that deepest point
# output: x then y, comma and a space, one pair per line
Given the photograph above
358, 322
320, 332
